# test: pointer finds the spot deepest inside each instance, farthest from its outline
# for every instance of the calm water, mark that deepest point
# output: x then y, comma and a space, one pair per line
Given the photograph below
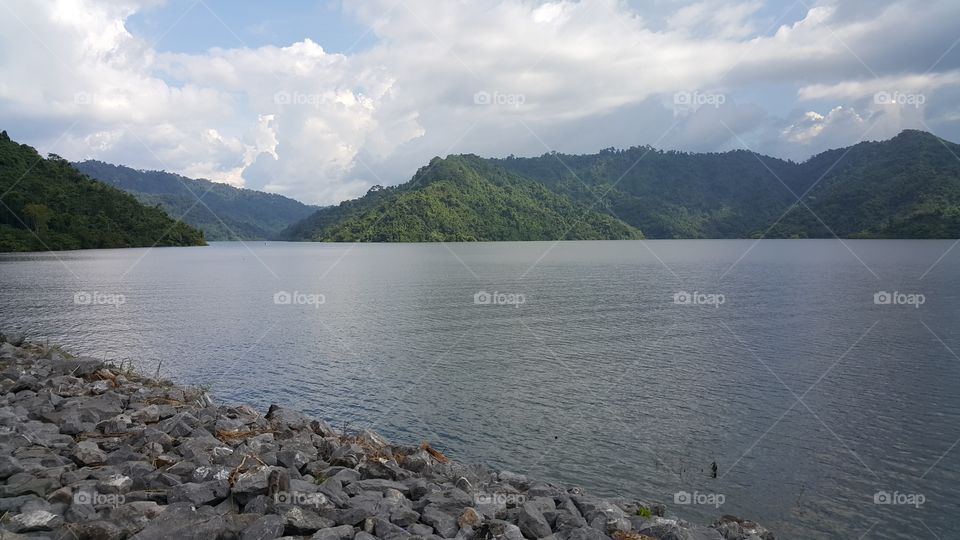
810, 397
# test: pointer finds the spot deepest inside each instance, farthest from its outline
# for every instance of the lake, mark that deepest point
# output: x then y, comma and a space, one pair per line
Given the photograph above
820, 376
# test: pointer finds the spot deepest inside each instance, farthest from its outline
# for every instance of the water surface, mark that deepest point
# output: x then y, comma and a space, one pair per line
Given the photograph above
809, 396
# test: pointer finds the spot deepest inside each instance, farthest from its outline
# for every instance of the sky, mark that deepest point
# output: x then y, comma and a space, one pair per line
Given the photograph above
319, 100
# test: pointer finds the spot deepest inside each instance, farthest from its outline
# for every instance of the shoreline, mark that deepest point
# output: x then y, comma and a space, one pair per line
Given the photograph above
89, 450
340, 243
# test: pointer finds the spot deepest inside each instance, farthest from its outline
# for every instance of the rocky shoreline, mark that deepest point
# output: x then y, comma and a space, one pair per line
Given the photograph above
93, 451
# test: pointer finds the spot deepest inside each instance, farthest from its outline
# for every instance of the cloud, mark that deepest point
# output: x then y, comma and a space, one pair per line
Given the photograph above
492, 77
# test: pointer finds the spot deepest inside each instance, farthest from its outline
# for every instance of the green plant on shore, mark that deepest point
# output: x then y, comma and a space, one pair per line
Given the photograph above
47, 351
644, 512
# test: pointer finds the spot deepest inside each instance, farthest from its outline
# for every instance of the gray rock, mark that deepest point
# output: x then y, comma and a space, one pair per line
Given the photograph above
147, 415
351, 516
377, 484
96, 530
388, 531
445, 524
182, 520
518, 481
343, 532
404, 517
583, 533
264, 528
532, 523
496, 528
179, 425
281, 417
261, 504
568, 520
9, 466
342, 474
292, 459
253, 482
12, 505
703, 533
348, 456
115, 484
451, 501
663, 529
37, 520
77, 367
88, 453
302, 521
199, 494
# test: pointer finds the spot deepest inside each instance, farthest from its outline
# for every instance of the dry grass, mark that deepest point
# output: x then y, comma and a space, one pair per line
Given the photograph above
232, 437
436, 454
623, 535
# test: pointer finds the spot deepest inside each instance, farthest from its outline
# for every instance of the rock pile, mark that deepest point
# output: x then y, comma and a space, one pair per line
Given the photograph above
88, 451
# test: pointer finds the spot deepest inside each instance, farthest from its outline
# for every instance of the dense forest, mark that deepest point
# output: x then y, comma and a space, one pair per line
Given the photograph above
461, 198
223, 212
906, 187
46, 203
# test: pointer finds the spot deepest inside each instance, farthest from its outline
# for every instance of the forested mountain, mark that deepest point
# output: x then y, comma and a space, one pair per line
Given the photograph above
669, 194
461, 198
223, 213
48, 204
906, 187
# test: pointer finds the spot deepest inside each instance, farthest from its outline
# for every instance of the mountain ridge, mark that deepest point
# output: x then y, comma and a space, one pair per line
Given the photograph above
47, 204
733, 194
224, 212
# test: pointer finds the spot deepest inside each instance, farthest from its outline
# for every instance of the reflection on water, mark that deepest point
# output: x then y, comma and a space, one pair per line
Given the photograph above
811, 398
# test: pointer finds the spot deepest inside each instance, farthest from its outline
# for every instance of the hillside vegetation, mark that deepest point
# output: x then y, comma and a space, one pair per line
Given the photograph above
461, 198
49, 204
221, 211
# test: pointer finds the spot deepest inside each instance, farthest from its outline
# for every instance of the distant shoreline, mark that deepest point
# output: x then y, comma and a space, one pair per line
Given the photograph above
252, 242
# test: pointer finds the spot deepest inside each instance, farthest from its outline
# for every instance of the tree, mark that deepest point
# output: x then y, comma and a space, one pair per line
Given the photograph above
37, 216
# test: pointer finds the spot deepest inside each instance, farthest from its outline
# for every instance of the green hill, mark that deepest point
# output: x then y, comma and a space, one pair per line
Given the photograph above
224, 213
48, 204
670, 194
906, 187
460, 198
